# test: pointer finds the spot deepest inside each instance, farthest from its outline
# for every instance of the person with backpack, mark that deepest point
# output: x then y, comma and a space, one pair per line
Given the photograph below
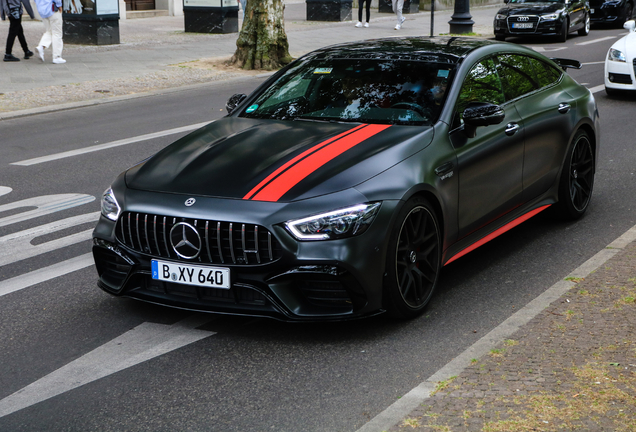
13, 10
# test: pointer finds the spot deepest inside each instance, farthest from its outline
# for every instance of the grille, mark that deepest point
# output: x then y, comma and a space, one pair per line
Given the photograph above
534, 20
221, 242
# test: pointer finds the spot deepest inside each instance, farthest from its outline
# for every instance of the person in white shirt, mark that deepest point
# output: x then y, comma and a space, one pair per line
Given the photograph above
51, 13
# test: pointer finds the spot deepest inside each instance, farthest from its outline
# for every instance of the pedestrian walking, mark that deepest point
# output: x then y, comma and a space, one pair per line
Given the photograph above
13, 10
51, 13
397, 8
360, 5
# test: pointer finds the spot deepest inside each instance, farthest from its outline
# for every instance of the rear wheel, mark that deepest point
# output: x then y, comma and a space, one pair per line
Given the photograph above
586, 27
413, 260
577, 178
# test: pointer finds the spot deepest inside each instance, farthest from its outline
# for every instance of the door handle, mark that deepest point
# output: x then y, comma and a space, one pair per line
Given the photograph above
512, 128
564, 107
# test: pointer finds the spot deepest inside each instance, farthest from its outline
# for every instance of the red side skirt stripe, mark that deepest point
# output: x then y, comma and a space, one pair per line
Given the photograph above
497, 233
293, 172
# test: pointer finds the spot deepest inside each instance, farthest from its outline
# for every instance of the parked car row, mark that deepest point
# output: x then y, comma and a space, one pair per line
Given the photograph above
558, 18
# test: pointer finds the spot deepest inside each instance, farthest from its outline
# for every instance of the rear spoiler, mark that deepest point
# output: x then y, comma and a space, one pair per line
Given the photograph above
567, 63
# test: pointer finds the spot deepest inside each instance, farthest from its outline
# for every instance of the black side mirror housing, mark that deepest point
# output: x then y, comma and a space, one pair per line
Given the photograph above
481, 114
234, 101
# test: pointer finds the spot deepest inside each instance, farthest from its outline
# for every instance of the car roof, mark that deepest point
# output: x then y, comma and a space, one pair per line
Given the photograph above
431, 49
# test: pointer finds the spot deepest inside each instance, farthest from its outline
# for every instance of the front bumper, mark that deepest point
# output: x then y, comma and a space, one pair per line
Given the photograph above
620, 75
307, 281
539, 27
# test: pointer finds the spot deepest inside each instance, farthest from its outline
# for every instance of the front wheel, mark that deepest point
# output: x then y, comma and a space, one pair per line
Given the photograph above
564, 31
413, 260
577, 178
586, 27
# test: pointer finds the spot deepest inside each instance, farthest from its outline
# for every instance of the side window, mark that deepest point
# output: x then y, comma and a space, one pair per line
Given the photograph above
517, 75
544, 73
482, 84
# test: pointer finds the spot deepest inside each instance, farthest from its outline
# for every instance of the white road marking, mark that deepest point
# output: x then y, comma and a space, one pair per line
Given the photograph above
44, 274
111, 144
395, 413
603, 39
46, 204
17, 246
597, 89
144, 342
5, 190
593, 63
542, 49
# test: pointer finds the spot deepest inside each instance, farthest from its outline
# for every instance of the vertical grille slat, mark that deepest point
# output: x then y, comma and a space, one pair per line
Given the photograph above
150, 234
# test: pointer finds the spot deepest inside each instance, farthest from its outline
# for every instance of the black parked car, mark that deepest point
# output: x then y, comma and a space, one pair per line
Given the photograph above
344, 183
611, 11
542, 17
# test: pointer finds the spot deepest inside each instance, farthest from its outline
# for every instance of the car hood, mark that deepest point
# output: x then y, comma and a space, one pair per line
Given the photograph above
270, 160
531, 8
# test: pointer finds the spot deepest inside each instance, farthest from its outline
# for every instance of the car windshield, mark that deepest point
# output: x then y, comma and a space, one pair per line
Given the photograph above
366, 91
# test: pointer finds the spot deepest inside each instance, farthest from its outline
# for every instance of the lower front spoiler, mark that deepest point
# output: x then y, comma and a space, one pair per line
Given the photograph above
303, 294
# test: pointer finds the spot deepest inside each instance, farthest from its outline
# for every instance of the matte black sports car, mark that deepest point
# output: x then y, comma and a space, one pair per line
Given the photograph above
343, 184
542, 17
611, 11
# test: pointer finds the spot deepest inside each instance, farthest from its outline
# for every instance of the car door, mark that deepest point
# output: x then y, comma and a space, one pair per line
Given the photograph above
489, 164
576, 12
547, 115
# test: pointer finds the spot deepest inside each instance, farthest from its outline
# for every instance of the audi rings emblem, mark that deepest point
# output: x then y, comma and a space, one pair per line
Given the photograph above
190, 201
523, 18
185, 240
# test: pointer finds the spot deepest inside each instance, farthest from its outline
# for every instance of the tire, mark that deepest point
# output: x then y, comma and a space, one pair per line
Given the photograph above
500, 37
413, 260
629, 12
586, 27
564, 32
577, 178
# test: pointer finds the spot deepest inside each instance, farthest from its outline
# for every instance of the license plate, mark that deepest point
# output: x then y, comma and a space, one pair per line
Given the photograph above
212, 277
522, 25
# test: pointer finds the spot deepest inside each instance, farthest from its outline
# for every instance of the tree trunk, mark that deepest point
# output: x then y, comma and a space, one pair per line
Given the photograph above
262, 42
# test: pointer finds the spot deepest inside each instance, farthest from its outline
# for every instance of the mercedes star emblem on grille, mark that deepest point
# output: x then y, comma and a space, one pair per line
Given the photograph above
190, 201
523, 18
185, 240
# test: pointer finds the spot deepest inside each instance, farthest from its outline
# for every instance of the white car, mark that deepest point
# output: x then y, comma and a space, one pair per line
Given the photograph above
620, 64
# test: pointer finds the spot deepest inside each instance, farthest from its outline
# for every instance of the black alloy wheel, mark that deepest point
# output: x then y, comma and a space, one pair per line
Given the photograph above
413, 260
577, 178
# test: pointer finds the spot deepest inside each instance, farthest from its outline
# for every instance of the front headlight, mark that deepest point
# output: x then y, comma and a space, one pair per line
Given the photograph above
501, 16
551, 16
110, 206
616, 55
336, 224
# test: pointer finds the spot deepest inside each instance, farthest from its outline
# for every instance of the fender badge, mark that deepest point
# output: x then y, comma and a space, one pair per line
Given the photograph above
190, 201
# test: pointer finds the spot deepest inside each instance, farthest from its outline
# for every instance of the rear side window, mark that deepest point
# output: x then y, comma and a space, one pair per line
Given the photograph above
517, 75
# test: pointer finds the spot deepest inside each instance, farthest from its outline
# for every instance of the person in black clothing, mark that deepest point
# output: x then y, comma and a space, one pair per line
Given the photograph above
13, 10
360, 5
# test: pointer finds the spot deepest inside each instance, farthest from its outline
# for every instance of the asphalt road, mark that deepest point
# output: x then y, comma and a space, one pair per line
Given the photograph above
83, 360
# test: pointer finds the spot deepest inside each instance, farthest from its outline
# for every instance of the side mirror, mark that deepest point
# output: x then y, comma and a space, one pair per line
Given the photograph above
234, 101
630, 25
481, 114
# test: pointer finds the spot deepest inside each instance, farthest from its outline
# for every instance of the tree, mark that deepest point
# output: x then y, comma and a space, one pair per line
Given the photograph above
262, 42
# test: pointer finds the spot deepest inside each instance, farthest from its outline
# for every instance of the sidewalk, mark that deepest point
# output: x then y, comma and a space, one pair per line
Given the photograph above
155, 53
572, 367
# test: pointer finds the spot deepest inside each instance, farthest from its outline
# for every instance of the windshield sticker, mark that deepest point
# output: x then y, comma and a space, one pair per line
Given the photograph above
323, 70
251, 109
442, 73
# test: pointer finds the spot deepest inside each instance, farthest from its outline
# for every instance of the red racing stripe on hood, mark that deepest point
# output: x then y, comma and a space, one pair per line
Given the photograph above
293, 172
